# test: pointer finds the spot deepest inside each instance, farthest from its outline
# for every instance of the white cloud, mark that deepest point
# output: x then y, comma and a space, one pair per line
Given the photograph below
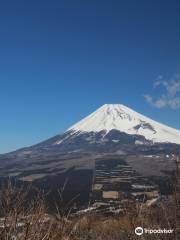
171, 95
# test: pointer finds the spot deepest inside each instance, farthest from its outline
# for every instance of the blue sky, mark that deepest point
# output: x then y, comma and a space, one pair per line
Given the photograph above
60, 60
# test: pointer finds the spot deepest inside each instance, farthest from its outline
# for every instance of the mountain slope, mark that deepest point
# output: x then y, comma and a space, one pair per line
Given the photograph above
124, 119
112, 133
110, 128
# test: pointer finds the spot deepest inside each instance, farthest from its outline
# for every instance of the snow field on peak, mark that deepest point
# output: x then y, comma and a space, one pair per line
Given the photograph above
124, 119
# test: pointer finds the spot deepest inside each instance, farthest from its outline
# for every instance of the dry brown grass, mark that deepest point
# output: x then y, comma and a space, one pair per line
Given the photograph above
23, 220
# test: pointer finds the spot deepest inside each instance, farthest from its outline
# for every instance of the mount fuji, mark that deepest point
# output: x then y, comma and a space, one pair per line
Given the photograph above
124, 119
110, 128
112, 133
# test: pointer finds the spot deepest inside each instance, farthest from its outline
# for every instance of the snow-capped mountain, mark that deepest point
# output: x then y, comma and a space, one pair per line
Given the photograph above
119, 117
111, 128
111, 132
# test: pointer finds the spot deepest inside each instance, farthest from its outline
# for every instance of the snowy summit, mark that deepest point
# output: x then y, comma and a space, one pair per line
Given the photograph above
124, 119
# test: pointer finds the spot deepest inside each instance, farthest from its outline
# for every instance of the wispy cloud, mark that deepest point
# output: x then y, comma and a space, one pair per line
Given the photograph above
171, 93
